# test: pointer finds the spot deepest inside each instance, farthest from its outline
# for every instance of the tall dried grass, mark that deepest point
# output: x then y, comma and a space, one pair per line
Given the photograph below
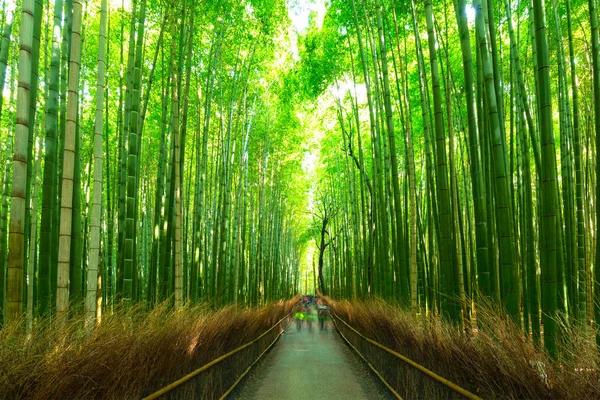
495, 362
132, 353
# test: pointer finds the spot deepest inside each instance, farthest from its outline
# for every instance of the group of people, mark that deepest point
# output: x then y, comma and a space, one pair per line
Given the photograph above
310, 305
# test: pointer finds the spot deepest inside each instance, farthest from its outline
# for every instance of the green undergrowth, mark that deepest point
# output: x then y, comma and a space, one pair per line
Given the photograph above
493, 362
131, 353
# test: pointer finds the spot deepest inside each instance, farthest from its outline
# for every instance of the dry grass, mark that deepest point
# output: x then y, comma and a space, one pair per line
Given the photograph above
131, 353
496, 362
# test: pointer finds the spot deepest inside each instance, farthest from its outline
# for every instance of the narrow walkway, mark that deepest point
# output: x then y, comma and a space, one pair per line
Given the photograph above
312, 365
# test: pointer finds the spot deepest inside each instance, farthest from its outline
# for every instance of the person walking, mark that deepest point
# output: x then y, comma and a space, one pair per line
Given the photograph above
323, 312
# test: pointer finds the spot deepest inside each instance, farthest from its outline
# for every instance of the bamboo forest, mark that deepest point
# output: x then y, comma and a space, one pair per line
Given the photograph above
185, 184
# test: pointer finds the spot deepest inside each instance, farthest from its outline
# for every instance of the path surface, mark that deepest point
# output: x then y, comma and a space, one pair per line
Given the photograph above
311, 365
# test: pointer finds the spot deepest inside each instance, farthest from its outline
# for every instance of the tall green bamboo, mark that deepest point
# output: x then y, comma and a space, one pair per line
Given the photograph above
132, 120
125, 244
483, 270
452, 307
549, 196
92, 274
33, 93
49, 186
579, 189
397, 205
76, 282
593, 9
4, 216
177, 165
64, 244
62, 117
509, 272
380, 226
4, 47
16, 244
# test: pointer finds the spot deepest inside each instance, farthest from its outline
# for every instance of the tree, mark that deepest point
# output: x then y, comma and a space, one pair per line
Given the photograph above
322, 217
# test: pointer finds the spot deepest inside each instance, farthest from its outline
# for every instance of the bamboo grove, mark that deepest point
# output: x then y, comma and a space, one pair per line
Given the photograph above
139, 138
460, 170
158, 151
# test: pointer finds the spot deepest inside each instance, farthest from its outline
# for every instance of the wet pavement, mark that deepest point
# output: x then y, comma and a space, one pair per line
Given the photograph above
311, 364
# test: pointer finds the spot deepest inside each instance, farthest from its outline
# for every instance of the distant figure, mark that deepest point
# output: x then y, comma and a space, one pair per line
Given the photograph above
305, 312
300, 315
308, 316
323, 311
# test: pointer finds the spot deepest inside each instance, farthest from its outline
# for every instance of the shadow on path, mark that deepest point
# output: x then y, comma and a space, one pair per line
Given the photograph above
311, 364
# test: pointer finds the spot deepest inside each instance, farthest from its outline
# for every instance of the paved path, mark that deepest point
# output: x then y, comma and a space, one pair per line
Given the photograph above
311, 365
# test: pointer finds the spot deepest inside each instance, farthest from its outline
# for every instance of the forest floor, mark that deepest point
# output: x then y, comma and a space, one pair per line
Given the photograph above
311, 364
